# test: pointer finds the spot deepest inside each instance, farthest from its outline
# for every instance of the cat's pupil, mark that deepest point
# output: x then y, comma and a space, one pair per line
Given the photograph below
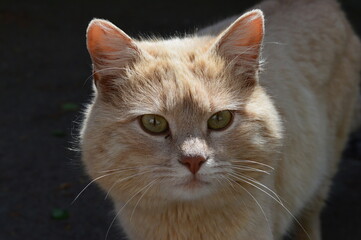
219, 117
220, 120
154, 121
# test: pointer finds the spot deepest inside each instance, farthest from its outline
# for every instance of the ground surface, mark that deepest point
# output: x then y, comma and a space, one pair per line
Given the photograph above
44, 66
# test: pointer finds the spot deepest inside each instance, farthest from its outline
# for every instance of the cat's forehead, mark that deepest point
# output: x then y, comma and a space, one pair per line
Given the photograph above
175, 47
179, 76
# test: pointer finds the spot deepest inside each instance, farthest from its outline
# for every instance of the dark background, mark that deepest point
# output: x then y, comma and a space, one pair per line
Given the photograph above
45, 82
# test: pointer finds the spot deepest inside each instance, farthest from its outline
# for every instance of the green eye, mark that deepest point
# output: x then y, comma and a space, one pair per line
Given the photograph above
220, 120
154, 124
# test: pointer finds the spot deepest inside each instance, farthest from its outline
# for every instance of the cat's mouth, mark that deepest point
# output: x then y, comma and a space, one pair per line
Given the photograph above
191, 187
193, 183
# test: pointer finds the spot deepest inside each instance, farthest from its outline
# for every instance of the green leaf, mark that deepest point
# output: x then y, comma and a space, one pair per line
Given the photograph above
59, 214
69, 107
58, 133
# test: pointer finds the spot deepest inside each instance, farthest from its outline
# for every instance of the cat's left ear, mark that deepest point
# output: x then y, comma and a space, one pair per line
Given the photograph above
241, 42
111, 51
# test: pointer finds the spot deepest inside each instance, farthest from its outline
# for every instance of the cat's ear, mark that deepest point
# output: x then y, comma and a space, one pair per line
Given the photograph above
241, 42
111, 51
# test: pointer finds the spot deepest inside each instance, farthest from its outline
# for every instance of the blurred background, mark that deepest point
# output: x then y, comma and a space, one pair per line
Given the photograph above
45, 81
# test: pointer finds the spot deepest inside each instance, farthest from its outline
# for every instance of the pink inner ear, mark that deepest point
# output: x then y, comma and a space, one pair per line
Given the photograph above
255, 29
96, 38
111, 51
246, 32
109, 46
104, 38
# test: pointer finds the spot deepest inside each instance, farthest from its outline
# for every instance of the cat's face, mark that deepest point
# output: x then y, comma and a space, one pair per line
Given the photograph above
173, 119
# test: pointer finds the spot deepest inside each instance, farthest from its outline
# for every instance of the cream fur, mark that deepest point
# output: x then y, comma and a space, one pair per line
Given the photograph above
294, 117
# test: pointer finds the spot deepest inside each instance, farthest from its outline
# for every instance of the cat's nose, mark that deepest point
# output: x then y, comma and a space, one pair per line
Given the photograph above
193, 163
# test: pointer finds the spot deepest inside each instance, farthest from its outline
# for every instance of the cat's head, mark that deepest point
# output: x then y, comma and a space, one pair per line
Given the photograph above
178, 119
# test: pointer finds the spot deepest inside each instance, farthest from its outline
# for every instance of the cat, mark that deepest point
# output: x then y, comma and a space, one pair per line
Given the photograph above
231, 133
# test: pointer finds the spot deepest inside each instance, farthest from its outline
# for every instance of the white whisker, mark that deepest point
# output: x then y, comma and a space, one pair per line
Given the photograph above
259, 205
132, 168
141, 196
123, 179
246, 168
126, 203
251, 161
241, 178
101, 70
96, 179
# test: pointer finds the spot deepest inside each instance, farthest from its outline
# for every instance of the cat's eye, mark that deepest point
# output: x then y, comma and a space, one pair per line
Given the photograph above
154, 124
220, 120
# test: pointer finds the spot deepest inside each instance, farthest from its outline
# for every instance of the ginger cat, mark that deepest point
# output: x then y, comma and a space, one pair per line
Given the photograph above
233, 133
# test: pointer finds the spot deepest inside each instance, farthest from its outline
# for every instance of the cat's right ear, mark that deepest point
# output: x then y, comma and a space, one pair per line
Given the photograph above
240, 44
111, 51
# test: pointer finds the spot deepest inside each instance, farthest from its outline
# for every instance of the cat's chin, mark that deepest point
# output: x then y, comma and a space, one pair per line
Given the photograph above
191, 188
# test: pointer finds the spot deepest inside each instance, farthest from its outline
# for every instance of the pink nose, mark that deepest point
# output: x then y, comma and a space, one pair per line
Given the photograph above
193, 163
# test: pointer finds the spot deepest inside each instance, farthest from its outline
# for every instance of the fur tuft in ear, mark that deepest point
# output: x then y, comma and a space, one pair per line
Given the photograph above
241, 42
111, 51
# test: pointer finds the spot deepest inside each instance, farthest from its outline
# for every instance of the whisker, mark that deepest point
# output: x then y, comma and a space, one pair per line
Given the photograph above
277, 200
122, 180
241, 178
131, 216
260, 184
251, 161
126, 203
276, 43
96, 179
246, 168
118, 169
259, 205
230, 183
131, 168
101, 70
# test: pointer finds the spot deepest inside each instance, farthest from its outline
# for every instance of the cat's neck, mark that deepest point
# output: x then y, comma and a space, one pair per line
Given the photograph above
193, 220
